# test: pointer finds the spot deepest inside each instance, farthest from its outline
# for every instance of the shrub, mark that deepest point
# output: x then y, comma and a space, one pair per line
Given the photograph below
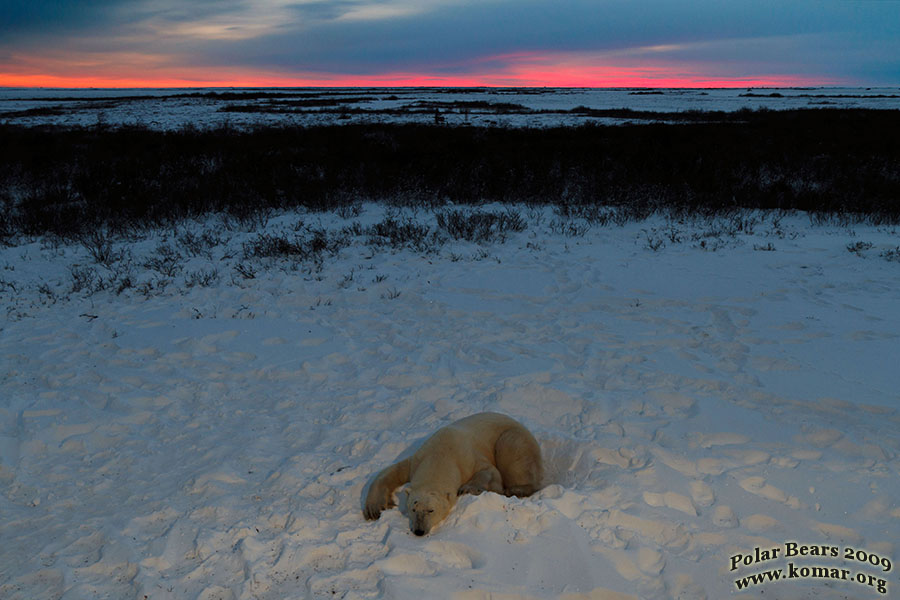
299, 247
397, 233
891, 254
479, 226
859, 248
166, 261
69, 181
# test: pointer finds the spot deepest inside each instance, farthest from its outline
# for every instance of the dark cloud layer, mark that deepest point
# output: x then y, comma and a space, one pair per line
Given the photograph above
853, 40
22, 18
785, 32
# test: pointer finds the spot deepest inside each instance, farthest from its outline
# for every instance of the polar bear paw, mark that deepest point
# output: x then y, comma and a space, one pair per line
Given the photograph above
374, 506
468, 488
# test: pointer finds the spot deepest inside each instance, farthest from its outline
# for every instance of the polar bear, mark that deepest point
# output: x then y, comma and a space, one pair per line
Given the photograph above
485, 452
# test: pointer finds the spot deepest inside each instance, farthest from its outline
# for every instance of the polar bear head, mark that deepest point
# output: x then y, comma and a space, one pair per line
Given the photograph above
427, 508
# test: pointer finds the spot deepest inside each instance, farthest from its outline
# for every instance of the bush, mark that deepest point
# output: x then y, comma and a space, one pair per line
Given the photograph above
479, 226
826, 161
396, 233
299, 247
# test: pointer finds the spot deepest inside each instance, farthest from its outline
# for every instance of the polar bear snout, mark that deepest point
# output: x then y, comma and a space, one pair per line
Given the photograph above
421, 523
417, 523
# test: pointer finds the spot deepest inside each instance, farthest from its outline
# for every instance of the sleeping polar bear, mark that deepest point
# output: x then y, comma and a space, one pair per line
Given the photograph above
483, 452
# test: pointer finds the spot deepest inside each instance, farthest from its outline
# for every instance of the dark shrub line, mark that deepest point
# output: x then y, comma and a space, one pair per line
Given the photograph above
71, 181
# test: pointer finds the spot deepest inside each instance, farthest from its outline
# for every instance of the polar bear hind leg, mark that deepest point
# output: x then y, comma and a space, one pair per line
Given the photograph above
488, 479
518, 458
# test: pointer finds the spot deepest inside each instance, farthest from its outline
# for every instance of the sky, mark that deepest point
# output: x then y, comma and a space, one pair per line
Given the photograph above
573, 43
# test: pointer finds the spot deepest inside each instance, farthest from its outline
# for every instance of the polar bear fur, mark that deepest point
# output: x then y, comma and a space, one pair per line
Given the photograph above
485, 452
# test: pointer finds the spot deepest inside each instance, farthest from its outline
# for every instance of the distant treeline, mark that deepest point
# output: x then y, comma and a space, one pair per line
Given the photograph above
68, 181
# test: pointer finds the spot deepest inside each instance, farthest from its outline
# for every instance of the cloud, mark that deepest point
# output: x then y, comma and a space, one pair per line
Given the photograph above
447, 36
830, 39
23, 18
358, 10
323, 10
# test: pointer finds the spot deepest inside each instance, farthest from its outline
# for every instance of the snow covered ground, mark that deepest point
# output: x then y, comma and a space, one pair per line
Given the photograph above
532, 107
703, 392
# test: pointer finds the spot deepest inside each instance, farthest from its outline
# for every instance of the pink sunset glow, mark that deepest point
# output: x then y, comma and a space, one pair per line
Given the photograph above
305, 43
519, 70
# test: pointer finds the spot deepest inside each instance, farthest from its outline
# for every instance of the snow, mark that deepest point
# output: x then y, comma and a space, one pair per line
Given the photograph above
204, 107
692, 402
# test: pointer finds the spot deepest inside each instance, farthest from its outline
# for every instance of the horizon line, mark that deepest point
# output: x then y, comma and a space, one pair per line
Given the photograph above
445, 87
609, 78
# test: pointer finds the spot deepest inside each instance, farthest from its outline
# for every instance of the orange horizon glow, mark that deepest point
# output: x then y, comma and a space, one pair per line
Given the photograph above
404, 80
554, 70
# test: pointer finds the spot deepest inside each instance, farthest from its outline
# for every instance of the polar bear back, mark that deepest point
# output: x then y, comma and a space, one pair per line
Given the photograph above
455, 452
